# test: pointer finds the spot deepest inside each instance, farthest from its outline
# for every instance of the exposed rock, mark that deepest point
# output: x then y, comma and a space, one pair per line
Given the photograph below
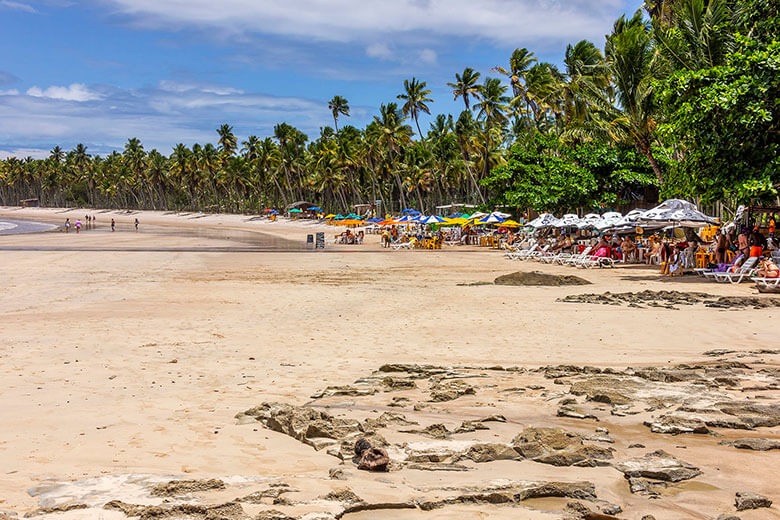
385, 419
346, 390
559, 448
636, 445
337, 474
677, 423
669, 299
342, 495
371, 458
517, 492
182, 487
488, 452
754, 444
574, 413
398, 383
746, 500
658, 465
227, 511
303, 423
470, 426
450, 389
55, 509
415, 371
643, 486
606, 389
727, 516
273, 514
436, 431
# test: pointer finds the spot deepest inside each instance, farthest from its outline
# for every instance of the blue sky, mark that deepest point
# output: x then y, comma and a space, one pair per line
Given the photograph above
170, 71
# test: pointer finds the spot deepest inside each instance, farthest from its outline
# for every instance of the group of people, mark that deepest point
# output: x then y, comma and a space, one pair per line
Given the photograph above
348, 237
91, 220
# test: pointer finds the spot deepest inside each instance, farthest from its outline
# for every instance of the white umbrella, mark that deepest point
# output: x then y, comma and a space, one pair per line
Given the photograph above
545, 220
588, 220
679, 213
501, 215
607, 220
478, 215
728, 228
491, 219
568, 220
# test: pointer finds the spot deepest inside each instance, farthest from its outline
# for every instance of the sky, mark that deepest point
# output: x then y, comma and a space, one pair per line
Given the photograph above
171, 71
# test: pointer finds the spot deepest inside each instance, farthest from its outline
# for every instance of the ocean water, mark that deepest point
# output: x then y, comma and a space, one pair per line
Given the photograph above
15, 227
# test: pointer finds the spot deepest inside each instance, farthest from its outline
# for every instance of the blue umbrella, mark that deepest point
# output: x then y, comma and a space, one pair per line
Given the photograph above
433, 219
411, 211
314, 208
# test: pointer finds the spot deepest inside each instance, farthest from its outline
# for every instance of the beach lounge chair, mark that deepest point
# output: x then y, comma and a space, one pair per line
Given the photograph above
405, 245
571, 258
591, 261
536, 253
767, 283
744, 272
521, 253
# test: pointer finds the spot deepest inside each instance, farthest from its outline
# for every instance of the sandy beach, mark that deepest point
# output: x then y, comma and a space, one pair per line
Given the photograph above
126, 357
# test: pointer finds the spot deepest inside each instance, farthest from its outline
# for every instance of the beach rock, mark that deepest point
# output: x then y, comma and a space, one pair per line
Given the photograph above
559, 448
435, 431
470, 426
344, 495
386, 419
273, 492
337, 474
745, 500
658, 465
606, 389
273, 514
678, 423
346, 390
55, 509
753, 414
416, 371
449, 390
643, 486
371, 458
727, 516
227, 511
183, 487
512, 493
398, 383
488, 452
303, 423
753, 444
574, 413
579, 511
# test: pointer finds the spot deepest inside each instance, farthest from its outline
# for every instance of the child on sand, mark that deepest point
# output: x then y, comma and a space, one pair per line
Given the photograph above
67, 225
113, 224
136, 224
78, 226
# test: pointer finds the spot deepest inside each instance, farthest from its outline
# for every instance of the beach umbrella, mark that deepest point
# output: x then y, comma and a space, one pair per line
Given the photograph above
339, 217
433, 219
269, 210
588, 220
374, 220
510, 224
545, 220
731, 226
330, 216
491, 219
410, 211
677, 212
607, 220
296, 210
314, 208
568, 220
501, 215
477, 215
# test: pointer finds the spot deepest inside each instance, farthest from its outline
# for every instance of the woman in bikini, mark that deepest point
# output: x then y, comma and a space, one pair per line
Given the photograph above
768, 269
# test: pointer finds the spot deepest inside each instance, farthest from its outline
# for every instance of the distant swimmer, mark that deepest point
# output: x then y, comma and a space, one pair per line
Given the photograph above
113, 225
67, 225
136, 224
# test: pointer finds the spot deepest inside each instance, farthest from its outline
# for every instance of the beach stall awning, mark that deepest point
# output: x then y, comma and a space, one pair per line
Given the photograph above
301, 204
588, 220
678, 213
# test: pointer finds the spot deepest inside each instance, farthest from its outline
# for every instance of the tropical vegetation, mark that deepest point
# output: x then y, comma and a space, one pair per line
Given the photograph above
682, 99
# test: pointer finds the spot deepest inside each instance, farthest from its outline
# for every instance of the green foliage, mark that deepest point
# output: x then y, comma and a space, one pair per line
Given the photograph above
725, 122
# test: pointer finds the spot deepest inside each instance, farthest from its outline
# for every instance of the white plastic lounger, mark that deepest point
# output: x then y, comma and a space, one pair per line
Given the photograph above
574, 258
767, 283
744, 272
405, 245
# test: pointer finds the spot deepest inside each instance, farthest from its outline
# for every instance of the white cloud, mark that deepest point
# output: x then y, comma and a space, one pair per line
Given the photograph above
379, 50
11, 92
22, 153
428, 56
366, 21
16, 6
74, 92
160, 116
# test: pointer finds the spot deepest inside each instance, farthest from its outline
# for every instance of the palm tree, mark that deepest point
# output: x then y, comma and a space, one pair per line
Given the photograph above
415, 97
630, 55
465, 85
492, 107
338, 105
57, 155
227, 140
520, 62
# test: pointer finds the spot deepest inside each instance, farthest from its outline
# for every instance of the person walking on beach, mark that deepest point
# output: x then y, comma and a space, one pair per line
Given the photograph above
67, 225
136, 224
113, 224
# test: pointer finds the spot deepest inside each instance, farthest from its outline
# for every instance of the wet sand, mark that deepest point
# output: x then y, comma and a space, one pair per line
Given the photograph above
131, 353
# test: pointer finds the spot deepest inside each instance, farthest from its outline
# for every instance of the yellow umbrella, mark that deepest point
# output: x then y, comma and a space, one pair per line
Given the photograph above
455, 221
509, 223
330, 216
